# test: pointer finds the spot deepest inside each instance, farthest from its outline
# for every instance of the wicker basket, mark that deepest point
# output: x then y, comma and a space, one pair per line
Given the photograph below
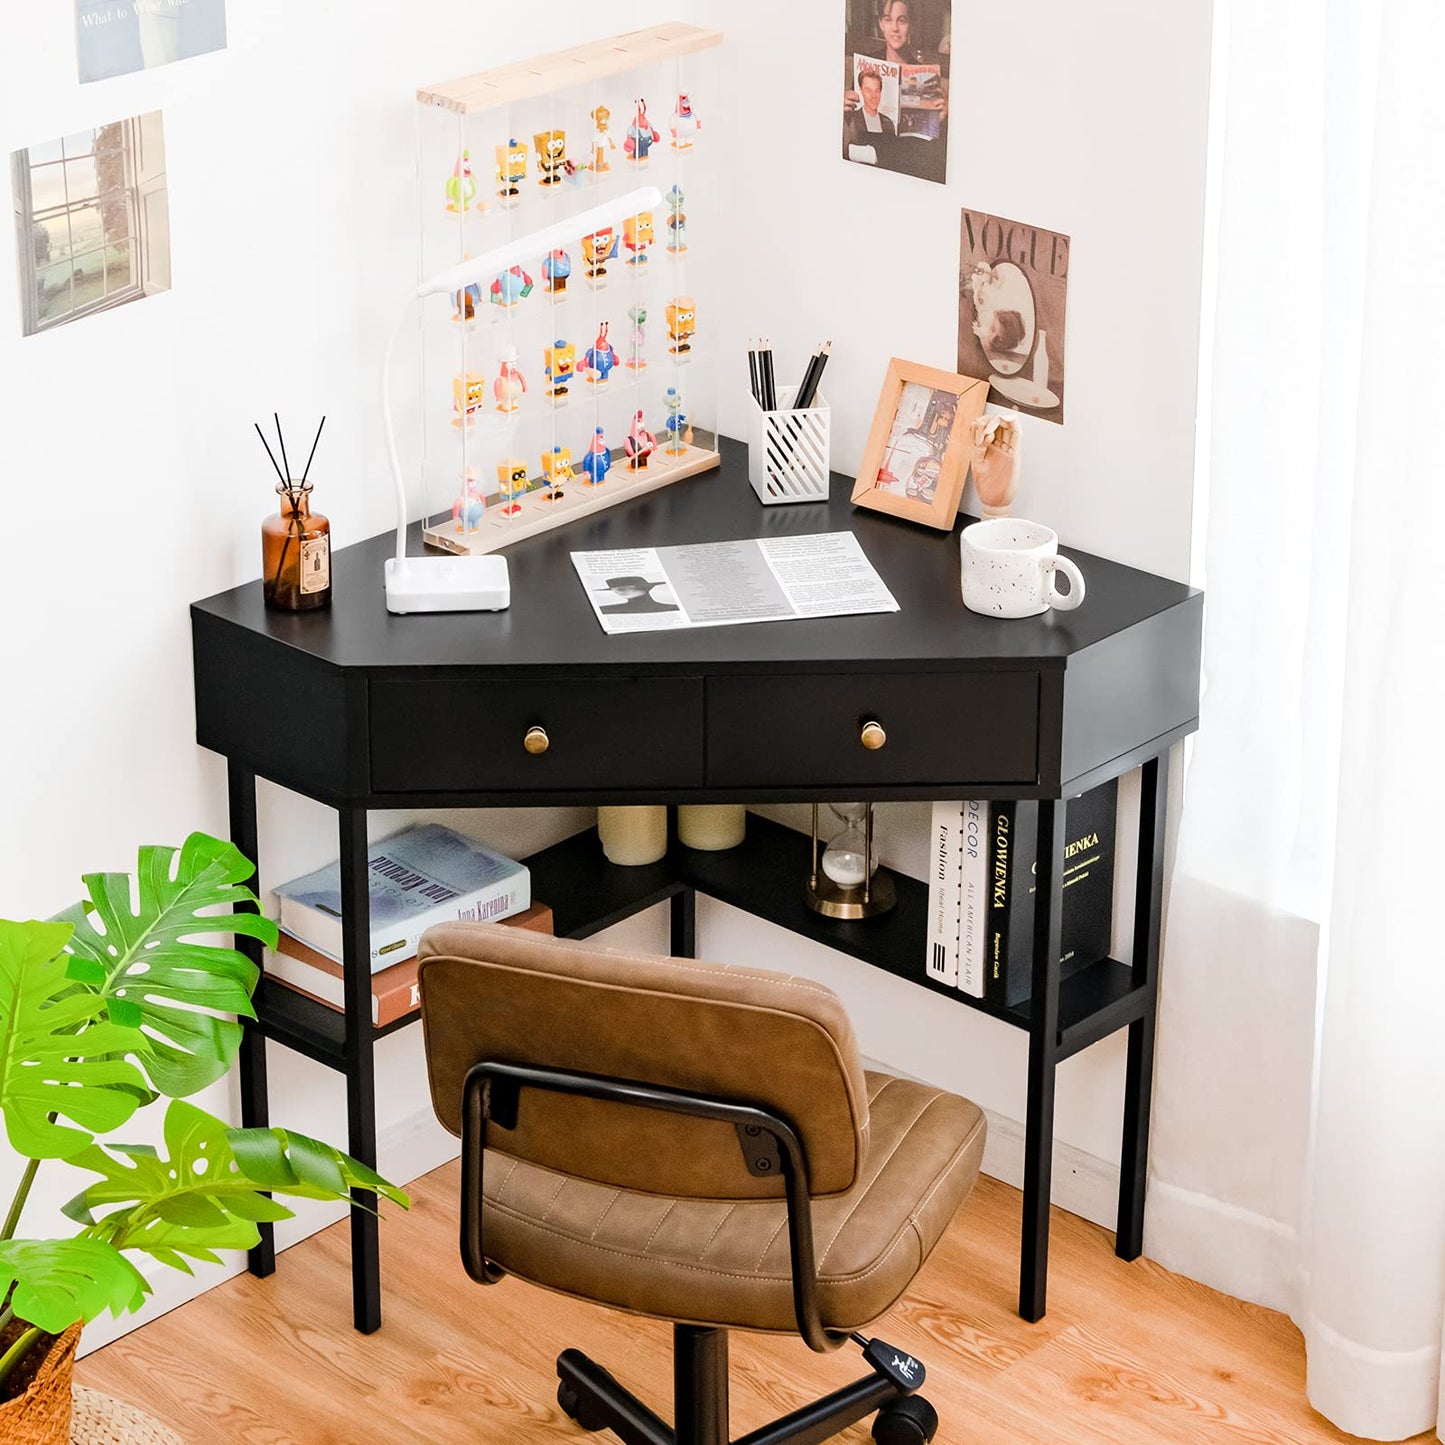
41, 1416
99, 1420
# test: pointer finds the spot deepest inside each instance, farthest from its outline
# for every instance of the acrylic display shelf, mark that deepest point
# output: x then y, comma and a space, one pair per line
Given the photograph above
590, 348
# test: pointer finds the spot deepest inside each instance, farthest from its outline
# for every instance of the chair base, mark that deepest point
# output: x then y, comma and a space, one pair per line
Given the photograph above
592, 1398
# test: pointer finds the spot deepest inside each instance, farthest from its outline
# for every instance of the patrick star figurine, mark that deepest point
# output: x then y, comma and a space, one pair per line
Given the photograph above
598, 461
640, 444
510, 386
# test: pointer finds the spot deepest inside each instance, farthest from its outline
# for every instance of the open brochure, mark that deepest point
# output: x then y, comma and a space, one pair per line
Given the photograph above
652, 589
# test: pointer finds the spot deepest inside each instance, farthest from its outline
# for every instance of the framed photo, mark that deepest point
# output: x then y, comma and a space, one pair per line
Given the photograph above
919, 450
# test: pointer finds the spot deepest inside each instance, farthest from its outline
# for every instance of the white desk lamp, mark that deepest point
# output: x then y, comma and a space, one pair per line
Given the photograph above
475, 584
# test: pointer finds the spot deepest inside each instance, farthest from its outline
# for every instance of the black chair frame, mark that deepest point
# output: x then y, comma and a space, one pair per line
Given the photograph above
769, 1146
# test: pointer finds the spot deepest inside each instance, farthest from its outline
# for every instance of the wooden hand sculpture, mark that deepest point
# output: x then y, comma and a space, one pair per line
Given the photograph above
996, 458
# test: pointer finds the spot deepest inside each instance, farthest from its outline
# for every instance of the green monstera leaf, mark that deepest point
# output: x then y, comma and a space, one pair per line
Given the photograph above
147, 962
60, 1281
60, 1058
208, 1194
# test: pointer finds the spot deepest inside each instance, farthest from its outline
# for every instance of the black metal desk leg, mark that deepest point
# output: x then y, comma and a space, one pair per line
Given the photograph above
1043, 1061
255, 1110
684, 923
360, 1065
1139, 1073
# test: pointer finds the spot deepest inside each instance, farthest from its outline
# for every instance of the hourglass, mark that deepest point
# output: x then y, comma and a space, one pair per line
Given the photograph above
847, 883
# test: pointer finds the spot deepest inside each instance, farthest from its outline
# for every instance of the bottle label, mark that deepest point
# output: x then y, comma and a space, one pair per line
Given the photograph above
316, 564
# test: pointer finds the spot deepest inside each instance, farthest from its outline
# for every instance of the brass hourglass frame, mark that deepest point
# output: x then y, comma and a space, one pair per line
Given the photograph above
876, 894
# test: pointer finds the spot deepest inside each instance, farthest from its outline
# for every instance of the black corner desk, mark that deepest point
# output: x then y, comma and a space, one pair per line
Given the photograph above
359, 709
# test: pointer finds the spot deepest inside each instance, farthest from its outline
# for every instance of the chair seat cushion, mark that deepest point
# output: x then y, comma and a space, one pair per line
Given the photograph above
712, 1262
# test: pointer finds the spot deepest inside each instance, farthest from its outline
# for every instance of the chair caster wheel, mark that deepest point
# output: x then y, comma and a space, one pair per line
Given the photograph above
908, 1421
576, 1411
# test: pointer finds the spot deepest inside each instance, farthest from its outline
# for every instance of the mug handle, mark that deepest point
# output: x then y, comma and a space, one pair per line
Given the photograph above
1064, 602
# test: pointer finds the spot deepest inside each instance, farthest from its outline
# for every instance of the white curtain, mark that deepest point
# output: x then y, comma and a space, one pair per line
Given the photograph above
1299, 1140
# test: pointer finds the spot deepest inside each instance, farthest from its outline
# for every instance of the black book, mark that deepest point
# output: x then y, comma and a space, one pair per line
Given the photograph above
1088, 890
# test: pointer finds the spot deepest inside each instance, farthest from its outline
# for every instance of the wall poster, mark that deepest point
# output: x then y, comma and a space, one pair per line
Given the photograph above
1013, 287
115, 37
895, 85
92, 221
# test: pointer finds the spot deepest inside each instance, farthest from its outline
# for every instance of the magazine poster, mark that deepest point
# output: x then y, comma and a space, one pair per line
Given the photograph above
1013, 288
895, 85
116, 37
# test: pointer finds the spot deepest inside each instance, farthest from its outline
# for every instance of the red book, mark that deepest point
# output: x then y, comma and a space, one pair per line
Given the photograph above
394, 989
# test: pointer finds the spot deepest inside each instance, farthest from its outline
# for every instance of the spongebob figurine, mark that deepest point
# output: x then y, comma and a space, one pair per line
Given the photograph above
602, 141
559, 364
681, 324
597, 250
511, 485
511, 169
551, 156
637, 236
557, 468
469, 396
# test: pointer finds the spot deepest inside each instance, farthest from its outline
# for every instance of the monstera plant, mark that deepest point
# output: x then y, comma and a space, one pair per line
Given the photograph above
132, 996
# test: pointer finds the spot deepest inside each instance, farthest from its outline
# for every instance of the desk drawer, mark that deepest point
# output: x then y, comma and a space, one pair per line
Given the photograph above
600, 735
780, 731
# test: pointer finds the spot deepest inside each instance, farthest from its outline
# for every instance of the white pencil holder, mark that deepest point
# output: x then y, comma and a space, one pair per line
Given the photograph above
788, 451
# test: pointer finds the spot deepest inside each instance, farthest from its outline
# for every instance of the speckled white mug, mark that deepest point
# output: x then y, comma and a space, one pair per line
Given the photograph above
1010, 569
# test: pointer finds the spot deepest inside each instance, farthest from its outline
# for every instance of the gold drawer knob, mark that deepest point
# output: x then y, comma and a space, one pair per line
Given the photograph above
536, 742
873, 737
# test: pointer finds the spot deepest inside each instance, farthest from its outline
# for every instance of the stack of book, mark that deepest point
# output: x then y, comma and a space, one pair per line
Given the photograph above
419, 877
981, 886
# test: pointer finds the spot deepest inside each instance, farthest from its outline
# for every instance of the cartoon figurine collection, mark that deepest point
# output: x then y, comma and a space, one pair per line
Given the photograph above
490, 404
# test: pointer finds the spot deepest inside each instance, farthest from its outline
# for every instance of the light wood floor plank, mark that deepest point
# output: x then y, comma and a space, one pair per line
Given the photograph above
1128, 1355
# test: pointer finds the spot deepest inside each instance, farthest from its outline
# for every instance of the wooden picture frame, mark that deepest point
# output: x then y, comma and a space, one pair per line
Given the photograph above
937, 445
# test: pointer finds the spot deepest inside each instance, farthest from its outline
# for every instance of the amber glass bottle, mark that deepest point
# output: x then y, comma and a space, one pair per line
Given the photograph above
296, 553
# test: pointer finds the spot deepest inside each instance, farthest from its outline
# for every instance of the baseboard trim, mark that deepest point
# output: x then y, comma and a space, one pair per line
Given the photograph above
1082, 1183
1233, 1250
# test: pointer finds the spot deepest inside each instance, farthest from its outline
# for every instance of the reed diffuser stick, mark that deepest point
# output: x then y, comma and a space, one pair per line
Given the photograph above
312, 457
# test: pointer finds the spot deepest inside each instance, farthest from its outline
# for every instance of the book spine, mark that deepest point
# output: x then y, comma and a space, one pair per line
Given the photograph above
973, 899
941, 961
1000, 858
491, 905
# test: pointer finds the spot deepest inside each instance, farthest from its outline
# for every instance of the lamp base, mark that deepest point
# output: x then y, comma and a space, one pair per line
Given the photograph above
834, 901
447, 584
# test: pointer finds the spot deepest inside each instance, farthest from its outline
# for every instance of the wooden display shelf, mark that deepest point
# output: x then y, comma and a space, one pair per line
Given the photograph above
578, 499
562, 69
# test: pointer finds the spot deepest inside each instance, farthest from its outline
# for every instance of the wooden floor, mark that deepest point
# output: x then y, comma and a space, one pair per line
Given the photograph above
1128, 1355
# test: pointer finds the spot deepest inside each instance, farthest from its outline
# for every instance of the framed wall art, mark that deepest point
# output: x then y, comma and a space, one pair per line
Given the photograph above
918, 453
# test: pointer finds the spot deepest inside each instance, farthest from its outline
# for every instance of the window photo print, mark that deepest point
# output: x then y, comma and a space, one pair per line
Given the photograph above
895, 85
1013, 288
116, 37
92, 221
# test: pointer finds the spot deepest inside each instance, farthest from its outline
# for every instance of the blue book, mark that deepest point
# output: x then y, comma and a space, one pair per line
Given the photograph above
424, 875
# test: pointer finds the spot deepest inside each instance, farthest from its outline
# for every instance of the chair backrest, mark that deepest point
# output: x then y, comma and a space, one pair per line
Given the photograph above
743, 1035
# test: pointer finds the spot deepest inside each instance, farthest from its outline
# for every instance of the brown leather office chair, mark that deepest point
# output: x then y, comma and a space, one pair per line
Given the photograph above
694, 1143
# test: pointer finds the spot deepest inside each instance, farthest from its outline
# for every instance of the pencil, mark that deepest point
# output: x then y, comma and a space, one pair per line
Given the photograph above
753, 373
770, 390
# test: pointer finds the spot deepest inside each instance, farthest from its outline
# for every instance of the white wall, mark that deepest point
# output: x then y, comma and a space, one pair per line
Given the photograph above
134, 484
